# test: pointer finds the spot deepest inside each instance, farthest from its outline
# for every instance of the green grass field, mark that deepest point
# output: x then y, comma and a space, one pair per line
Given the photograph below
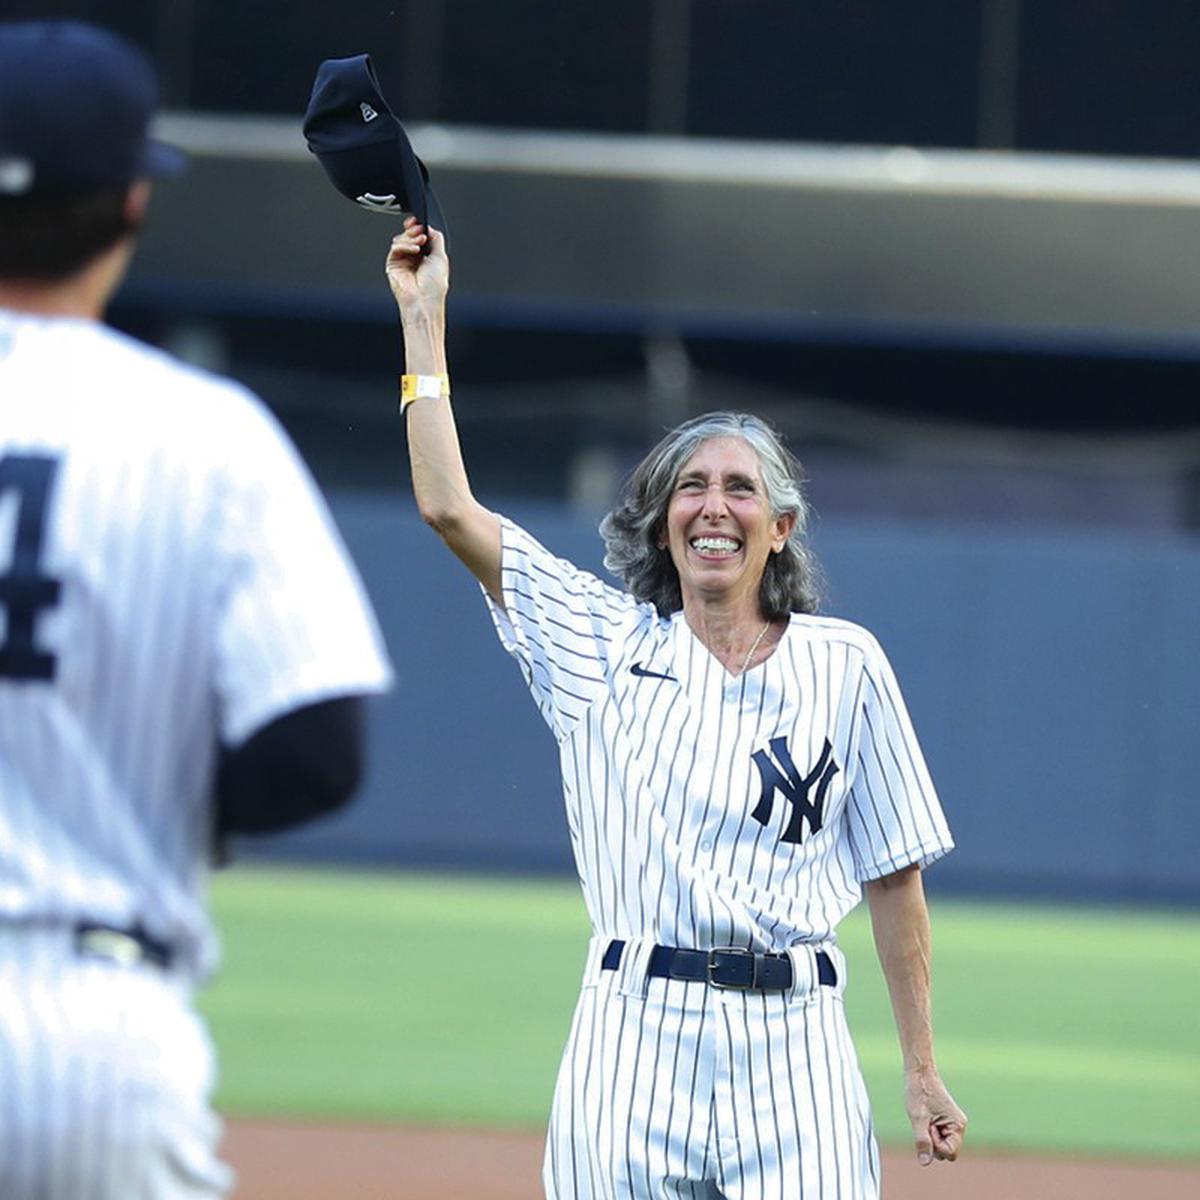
446, 1000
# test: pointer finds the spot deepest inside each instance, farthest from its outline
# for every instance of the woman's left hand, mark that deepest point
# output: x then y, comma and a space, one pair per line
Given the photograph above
938, 1124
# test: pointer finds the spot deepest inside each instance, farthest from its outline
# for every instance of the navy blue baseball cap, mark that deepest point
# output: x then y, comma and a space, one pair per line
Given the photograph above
75, 108
362, 145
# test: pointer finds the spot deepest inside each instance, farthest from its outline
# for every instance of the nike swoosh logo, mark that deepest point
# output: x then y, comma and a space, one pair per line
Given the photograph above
641, 671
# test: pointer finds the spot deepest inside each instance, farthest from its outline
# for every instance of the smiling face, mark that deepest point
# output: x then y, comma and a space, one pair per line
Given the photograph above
719, 528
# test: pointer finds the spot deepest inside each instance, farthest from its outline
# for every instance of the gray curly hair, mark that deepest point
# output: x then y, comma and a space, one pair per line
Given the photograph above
633, 530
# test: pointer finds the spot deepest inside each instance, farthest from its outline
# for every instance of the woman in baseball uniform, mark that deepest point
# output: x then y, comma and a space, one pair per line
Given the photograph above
737, 771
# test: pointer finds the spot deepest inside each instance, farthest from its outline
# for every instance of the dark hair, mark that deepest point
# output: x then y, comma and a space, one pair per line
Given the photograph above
49, 239
633, 530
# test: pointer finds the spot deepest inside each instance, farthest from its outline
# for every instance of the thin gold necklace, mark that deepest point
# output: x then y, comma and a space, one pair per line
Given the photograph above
754, 646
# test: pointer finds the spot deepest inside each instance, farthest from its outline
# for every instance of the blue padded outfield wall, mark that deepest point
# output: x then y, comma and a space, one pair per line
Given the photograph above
1053, 679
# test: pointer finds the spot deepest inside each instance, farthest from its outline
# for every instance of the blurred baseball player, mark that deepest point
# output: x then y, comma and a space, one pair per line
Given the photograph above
736, 771
184, 649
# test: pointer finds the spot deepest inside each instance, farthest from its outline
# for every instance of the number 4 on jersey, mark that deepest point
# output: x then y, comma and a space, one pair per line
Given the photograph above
24, 590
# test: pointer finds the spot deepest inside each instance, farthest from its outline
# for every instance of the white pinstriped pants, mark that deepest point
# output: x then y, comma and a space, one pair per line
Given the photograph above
671, 1089
105, 1076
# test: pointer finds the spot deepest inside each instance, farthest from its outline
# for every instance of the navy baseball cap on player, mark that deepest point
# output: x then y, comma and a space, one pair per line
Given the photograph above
75, 109
362, 145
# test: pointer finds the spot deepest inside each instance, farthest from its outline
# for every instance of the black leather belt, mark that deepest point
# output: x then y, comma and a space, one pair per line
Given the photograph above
727, 967
130, 947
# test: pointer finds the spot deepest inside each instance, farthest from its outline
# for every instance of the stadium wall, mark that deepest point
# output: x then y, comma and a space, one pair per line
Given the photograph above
1052, 678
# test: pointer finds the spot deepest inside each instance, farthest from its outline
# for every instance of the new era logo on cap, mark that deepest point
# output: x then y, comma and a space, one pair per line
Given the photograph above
16, 176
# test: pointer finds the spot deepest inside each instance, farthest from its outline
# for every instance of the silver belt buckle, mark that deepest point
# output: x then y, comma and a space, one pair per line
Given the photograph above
111, 944
737, 952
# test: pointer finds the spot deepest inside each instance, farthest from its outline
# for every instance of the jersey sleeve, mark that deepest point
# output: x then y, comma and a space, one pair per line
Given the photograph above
559, 623
894, 817
294, 624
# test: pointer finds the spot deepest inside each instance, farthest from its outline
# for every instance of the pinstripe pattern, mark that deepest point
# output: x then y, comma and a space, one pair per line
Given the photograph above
204, 591
670, 1088
91, 1108
667, 1088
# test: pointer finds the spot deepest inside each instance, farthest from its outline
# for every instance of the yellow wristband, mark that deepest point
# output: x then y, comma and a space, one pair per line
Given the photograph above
417, 387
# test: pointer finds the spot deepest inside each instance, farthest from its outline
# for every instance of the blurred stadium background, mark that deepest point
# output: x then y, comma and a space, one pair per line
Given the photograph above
952, 249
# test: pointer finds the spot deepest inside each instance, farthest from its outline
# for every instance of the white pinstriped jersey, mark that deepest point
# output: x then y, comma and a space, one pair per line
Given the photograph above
169, 575
711, 810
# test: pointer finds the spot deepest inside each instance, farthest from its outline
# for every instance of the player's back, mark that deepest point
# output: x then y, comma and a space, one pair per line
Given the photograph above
114, 503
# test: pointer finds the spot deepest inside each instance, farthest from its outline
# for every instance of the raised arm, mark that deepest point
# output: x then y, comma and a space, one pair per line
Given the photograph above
419, 282
900, 921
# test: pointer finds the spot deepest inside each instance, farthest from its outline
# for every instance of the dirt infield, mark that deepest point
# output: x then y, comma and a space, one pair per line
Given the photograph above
279, 1160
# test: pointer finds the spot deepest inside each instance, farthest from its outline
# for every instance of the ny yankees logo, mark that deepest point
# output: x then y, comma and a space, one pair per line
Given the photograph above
380, 204
789, 782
